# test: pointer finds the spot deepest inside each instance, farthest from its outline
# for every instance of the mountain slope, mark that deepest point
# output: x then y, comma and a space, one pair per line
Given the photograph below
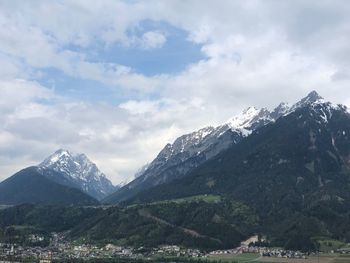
191, 150
30, 186
77, 171
312, 141
195, 224
295, 173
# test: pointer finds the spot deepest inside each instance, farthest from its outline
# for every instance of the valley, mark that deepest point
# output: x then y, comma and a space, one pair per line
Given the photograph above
281, 177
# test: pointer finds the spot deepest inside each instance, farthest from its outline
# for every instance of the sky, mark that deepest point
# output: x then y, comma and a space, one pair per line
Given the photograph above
117, 80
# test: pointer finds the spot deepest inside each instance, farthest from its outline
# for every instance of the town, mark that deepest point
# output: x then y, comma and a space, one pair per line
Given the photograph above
60, 249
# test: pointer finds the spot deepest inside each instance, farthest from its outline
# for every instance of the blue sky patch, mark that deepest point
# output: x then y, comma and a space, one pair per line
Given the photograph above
87, 90
173, 57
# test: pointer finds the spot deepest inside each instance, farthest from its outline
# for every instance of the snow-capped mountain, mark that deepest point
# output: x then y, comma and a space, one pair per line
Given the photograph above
299, 165
77, 171
190, 150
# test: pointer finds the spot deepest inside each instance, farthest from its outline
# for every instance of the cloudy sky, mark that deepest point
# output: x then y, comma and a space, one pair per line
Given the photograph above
117, 80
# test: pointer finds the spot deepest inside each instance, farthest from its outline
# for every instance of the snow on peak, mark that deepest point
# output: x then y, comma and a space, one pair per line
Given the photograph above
58, 155
311, 99
78, 169
185, 142
249, 120
75, 165
242, 120
252, 118
282, 108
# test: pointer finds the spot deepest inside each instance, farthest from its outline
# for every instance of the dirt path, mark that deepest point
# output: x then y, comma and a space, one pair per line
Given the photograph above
147, 214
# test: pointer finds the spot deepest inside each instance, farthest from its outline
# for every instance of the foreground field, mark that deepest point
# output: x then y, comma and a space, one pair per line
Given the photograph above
328, 245
240, 258
321, 259
256, 258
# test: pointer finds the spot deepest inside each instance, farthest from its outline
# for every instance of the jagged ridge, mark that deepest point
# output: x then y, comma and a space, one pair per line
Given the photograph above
190, 150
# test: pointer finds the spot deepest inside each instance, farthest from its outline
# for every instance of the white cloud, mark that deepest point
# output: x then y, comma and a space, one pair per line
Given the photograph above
18, 92
152, 39
140, 107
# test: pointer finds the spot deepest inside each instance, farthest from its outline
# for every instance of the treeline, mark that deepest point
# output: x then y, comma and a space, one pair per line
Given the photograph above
208, 226
190, 224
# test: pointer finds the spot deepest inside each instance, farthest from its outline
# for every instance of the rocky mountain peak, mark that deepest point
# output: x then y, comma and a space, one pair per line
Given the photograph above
312, 98
80, 171
64, 161
57, 156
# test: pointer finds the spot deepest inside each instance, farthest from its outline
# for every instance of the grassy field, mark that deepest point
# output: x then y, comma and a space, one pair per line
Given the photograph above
4, 206
241, 258
342, 259
328, 258
196, 198
256, 258
327, 245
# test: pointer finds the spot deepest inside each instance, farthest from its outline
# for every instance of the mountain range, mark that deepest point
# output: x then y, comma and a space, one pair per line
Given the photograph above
306, 150
294, 173
191, 150
283, 174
